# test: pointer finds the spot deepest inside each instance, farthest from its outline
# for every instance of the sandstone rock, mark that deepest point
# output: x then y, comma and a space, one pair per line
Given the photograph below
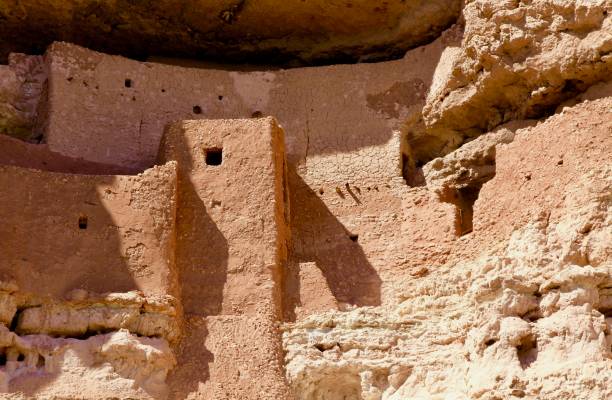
77, 320
312, 31
518, 60
22, 82
102, 364
353, 253
471, 165
514, 322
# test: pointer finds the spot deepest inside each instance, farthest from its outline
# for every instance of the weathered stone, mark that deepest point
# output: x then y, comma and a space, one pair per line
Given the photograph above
518, 59
353, 253
313, 31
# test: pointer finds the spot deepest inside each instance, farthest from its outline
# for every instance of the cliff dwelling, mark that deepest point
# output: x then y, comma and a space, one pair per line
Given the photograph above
306, 200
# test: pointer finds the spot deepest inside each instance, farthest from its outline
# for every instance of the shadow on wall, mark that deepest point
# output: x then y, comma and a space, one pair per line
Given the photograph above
319, 237
201, 254
193, 361
57, 235
201, 260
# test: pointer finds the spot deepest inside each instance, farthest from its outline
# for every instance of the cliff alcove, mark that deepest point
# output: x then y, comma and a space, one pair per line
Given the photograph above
309, 200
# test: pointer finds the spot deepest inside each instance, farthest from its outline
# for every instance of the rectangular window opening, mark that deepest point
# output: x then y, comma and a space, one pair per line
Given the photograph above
214, 156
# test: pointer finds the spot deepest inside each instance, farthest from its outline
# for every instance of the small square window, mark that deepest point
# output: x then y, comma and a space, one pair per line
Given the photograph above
83, 222
214, 156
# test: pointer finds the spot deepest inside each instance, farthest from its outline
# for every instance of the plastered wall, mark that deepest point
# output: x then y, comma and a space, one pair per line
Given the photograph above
62, 232
231, 251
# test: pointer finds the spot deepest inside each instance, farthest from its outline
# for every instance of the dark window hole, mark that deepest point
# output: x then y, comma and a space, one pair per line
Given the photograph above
490, 342
15, 321
354, 237
3, 359
89, 333
220, 97
21, 357
466, 197
69, 79
412, 171
163, 90
257, 114
213, 156
39, 139
82, 222
197, 110
527, 351
127, 83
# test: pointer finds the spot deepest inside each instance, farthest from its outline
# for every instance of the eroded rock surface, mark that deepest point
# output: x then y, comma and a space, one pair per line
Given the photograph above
118, 337
118, 362
402, 231
22, 82
264, 30
516, 322
518, 59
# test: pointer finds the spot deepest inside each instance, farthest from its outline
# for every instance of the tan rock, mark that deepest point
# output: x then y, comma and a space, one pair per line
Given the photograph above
117, 362
518, 60
513, 323
353, 253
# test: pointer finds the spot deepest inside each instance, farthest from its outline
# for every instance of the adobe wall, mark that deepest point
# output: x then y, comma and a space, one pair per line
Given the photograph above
362, 234
232, 236
323, 110
100, 234
89, 100
372, 258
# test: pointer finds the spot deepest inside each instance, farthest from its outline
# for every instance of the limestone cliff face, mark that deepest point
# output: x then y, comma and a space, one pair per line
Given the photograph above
530, 313
518, 59
267, 31
435, 227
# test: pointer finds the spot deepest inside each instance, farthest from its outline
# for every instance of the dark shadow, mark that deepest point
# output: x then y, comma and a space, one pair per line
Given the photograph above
38, 156
319, 237
527, 351
57, 234
201, 253
193, 359
201, 260
218, 31
61, 231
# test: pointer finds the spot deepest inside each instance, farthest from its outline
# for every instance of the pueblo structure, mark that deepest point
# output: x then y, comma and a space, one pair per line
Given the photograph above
432, 225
